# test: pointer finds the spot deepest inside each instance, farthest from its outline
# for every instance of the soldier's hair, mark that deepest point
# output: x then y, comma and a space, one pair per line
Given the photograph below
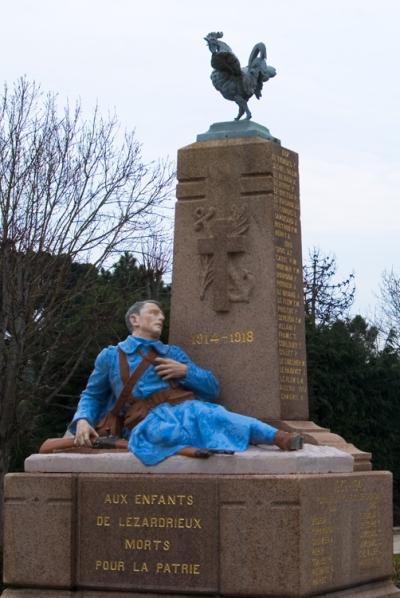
136, 309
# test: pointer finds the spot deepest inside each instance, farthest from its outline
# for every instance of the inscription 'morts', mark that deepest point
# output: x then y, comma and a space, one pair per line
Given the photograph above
146, 544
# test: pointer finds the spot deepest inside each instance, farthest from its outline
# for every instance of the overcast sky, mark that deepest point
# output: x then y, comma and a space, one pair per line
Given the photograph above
335, 100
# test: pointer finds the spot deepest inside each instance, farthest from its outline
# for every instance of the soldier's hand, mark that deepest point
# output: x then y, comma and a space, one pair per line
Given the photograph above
168, 369
84, 433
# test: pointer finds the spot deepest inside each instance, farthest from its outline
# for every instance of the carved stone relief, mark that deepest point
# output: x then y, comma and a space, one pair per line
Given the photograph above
225, 240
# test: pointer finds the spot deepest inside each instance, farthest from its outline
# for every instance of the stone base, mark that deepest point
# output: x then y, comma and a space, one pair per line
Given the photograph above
262, 459
296, 535
316, 435
385, 589
234, 129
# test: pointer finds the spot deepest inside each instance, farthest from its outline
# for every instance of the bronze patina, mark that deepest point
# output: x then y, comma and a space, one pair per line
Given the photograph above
233, 82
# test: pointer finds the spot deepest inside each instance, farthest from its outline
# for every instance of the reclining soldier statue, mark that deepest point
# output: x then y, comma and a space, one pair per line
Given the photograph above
159, 401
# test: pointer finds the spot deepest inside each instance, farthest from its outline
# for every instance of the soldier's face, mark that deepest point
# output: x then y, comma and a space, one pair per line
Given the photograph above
149, 323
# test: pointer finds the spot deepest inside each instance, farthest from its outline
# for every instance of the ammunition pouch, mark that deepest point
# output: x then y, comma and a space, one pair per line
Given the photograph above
138, 409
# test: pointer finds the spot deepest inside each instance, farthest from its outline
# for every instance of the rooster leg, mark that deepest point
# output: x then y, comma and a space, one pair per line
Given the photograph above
241, 102
240, 114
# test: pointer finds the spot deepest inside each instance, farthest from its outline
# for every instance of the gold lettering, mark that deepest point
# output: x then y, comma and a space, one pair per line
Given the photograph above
285, 276
178, 568
103, 521
114, 566
140, 567
202, 338
161, 522
162, 499
116, 499
146, 544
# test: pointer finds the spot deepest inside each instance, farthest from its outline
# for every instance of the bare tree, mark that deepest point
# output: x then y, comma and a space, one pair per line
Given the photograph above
155, 258
390, 308
324, 298
71, 194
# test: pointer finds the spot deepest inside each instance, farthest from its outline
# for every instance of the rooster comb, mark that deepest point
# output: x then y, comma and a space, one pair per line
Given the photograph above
215, 35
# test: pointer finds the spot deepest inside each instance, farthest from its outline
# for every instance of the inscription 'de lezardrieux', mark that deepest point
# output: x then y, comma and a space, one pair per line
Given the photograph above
148, 534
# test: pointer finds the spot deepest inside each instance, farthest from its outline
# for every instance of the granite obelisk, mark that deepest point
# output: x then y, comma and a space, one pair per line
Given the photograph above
237, 302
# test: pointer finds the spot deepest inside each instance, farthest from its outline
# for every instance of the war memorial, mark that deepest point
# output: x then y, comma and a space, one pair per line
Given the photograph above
263, 522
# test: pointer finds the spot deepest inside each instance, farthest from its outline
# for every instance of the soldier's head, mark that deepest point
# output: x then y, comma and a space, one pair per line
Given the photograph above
145, 319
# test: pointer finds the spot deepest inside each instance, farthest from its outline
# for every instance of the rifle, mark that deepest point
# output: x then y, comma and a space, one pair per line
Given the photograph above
104, 444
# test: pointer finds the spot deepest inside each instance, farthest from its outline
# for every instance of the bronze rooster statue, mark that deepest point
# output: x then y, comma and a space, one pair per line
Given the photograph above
233, 82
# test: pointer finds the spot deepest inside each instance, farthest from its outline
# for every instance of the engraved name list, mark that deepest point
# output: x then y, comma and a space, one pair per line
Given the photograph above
288, 278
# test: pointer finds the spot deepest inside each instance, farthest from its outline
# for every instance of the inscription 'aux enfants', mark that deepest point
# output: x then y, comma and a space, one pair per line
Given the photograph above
150, 499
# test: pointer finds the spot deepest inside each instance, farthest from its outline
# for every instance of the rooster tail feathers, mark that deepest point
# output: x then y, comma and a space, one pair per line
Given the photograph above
258, 49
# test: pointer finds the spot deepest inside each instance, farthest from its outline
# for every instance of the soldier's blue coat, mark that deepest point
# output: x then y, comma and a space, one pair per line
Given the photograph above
167, 428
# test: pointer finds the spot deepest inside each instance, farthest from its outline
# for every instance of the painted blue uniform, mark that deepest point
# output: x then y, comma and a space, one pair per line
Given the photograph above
168, 428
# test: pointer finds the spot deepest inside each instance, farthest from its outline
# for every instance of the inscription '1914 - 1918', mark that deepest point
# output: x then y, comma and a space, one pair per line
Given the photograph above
212, 338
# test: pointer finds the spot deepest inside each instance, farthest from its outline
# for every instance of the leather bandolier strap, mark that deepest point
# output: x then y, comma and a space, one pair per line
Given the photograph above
129, 380
139, 408
112, 423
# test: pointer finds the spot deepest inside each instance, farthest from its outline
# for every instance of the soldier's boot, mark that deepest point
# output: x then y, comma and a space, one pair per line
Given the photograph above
288, 441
